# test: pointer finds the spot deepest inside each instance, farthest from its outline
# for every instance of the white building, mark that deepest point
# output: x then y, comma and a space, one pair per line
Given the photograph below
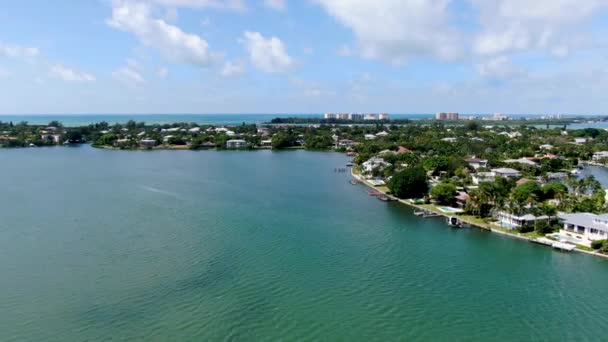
236, 143
512, 221
382, 134
481, 177
521, 161
580, 141
506, 172
476, 163
194, 130
585, 227
597, 156
546, 147
374, 163
451, 140
370, 137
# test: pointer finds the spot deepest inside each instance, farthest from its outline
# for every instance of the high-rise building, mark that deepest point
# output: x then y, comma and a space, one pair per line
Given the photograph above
446, 116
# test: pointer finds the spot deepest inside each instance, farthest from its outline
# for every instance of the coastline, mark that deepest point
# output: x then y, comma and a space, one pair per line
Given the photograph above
483, 226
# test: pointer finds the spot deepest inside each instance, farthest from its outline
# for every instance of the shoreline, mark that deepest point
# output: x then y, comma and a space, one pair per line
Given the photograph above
482, 226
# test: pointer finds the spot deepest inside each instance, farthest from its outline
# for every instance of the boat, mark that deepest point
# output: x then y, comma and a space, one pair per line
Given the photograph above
454, 221
349, 164
354, 182
385, 198
374, 193
419, 212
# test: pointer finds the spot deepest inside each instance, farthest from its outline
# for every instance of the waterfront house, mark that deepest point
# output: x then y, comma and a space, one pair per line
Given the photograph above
557, 176
513, 221
374, 163
476, 163
266, 143
584, 227
506, 172
147, 142
461, 199
345, 143
481, 177
597, 156
369, 137
236, 143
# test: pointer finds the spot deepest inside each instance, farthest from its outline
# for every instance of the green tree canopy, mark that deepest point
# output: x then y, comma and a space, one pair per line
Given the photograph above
409, 183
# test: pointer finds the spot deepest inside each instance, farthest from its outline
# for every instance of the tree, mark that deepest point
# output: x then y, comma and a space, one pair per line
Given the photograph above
444, 193
409, 183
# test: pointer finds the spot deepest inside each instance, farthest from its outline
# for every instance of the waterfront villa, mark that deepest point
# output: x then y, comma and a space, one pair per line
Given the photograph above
236, 143
374, 163
507, 172
597, 156
476, 163
584, 227
513, 221
147, 142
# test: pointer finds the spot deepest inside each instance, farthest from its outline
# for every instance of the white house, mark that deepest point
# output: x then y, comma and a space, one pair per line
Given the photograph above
521, 161
236, 143
481, 177
546, 147
194, 130
374, 163
451, 140
370, 137
148, 142
476, 163
382, 134
507, 172
584, 227
580, 141
597, 156
512, 221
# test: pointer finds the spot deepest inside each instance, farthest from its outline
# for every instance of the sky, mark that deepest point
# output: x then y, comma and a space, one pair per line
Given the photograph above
303, 56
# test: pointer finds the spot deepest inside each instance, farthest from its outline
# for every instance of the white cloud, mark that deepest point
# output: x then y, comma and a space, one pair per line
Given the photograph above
232, 69
499, 67
278, 5
129, 77
230, 4
16, 51
71, 75
173, 43
162, 72
395, 30
555, 26
267, 54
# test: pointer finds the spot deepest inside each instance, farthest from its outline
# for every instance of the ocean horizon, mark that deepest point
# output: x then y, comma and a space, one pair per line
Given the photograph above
72, 120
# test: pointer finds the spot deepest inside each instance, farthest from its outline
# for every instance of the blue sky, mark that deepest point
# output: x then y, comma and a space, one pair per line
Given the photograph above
304, 56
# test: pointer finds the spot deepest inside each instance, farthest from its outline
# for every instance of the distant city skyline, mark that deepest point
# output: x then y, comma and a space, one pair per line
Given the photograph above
308, 56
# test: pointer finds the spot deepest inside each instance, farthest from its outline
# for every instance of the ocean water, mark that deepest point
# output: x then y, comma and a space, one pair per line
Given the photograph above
100, 245
214, 119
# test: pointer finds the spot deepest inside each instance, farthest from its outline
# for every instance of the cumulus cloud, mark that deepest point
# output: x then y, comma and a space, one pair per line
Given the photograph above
395, 30
173, 43
129, 77
267, 54
499, 67
232, 69
278, 5
16, 51
71, 75
510, 26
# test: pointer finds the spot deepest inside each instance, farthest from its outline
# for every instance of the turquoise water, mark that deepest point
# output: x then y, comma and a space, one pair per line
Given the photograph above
73, 120
204, 246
